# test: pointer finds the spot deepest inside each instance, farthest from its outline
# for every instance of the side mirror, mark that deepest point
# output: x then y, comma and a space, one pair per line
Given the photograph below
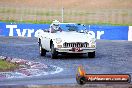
83, 25
86, 31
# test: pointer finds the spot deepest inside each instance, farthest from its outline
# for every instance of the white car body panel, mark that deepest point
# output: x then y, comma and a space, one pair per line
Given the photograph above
69, 37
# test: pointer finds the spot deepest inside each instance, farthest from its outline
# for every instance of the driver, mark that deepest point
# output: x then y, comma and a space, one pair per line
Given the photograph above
55, 26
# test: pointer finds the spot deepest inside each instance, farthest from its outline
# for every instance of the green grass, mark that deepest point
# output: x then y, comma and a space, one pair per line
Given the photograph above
27, 21
49, 22
109, 23
5, 66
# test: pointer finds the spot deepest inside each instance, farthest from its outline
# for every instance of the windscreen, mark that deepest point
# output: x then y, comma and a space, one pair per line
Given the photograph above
72, 27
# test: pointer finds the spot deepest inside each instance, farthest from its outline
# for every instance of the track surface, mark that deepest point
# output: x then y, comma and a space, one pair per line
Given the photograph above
111, 57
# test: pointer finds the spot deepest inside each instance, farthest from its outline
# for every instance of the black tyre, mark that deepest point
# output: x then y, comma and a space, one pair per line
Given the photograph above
42, 51
54, 53
91, 54
81, 80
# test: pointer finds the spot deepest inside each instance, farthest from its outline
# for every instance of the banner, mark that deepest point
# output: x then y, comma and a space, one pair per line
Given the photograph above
23, 30
31, 30
130, 33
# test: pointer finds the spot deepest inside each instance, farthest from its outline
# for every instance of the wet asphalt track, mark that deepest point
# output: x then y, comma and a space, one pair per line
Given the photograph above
111, 57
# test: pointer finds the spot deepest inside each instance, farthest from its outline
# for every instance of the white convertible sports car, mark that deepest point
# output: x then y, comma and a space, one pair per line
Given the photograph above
66, 38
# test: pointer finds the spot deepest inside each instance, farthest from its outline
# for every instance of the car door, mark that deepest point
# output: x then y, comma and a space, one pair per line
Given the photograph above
46, 41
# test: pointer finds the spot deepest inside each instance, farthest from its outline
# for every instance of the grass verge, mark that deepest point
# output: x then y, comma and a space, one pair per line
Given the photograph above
26, 21
49, 22
7, 66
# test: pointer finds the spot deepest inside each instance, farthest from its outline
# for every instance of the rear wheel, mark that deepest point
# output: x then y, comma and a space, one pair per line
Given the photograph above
54, 53
91, 54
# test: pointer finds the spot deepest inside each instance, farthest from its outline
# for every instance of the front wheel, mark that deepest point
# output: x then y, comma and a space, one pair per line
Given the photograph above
91, 54
54, 53
42, 51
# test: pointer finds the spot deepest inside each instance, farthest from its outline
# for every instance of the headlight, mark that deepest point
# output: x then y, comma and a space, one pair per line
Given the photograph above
58, 40
93, 40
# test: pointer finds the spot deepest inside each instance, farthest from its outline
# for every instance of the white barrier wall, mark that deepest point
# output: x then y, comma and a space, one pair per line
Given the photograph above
130, 33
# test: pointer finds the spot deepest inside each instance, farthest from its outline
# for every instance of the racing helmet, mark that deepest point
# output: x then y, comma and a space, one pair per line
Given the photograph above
55, 25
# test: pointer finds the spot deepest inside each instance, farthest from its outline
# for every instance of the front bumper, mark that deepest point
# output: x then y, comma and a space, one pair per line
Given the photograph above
75, 50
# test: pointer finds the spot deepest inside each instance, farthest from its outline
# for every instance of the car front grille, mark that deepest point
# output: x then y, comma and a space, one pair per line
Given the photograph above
78, 44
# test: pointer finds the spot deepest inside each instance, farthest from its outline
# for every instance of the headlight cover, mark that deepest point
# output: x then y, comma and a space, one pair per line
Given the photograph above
93, 40
58, 40
93, 43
